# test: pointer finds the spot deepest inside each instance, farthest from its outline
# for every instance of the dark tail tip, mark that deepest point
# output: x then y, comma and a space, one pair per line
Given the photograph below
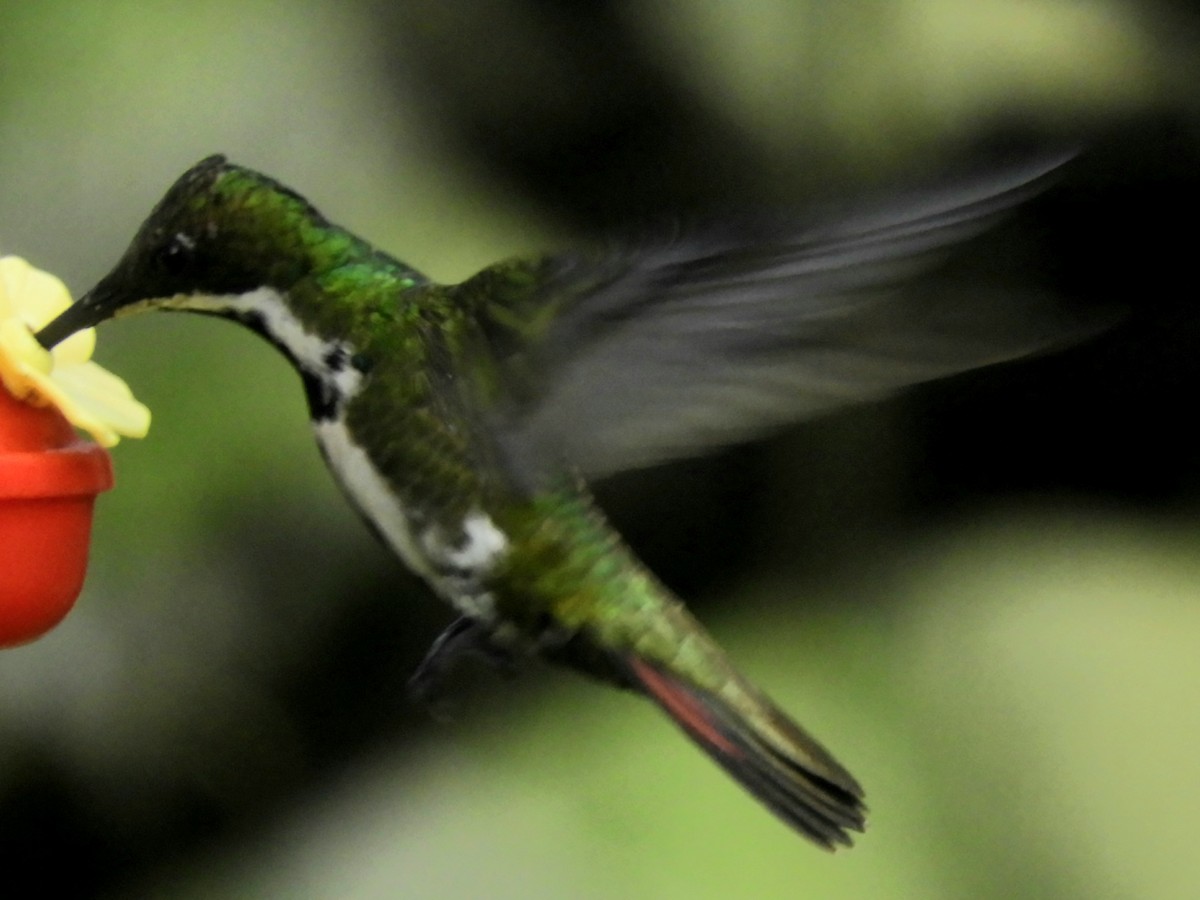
767, 753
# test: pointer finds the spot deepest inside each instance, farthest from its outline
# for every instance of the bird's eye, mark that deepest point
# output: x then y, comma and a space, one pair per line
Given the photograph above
175, 256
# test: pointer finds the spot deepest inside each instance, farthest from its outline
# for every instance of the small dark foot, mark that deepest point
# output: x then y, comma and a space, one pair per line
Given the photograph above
464, 637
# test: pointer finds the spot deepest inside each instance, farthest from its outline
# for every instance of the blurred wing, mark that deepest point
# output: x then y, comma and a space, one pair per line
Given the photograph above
618, 361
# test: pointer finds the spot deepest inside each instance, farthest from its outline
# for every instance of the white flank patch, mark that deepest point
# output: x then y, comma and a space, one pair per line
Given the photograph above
471, 556
483, 545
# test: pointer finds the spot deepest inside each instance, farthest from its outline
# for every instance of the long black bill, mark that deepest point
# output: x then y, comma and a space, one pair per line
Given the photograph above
86, 312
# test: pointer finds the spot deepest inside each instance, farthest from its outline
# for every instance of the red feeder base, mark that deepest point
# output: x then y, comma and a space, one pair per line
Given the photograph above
49, 480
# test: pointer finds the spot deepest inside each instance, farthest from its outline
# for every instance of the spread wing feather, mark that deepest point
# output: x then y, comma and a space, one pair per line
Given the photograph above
619, 360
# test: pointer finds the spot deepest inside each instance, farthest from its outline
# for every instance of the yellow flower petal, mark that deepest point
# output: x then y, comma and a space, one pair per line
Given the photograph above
75, 350
20, 355
91, 397
99, 396
33, 295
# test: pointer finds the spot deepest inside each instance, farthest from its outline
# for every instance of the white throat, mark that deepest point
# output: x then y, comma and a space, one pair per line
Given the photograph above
266, 309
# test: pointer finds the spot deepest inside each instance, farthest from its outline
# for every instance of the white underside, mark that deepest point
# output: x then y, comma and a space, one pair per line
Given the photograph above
371, 494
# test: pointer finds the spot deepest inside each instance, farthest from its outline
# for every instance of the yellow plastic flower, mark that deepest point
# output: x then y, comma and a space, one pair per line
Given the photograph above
91, 397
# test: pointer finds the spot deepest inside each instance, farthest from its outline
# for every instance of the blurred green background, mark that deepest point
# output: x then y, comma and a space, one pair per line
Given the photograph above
984, 596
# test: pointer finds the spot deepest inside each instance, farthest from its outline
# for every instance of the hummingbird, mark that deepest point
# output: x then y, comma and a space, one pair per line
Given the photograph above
464, 421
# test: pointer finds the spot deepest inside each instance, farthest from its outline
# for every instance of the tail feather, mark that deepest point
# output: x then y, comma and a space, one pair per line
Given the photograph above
786, 769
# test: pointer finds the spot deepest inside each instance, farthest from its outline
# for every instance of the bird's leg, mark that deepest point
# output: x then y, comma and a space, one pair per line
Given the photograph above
465, 636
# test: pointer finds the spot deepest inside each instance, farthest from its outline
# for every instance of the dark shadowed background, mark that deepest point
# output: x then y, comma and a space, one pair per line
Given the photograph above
983, 595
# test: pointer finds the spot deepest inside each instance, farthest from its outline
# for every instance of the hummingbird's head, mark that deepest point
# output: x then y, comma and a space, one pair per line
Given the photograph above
220, 231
